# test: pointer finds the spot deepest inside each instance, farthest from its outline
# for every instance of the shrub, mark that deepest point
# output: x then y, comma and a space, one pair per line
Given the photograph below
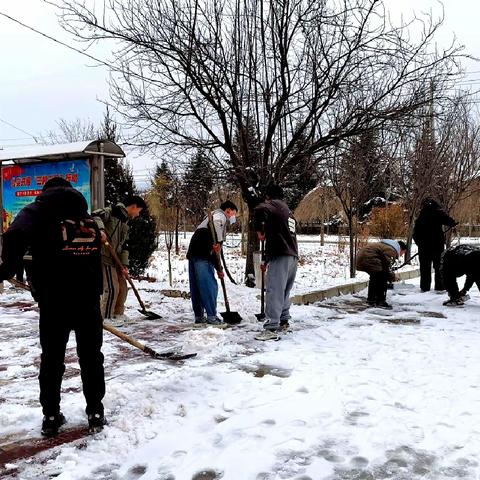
388, 222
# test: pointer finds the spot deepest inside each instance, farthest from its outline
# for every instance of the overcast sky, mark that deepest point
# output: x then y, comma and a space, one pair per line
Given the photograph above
41, 81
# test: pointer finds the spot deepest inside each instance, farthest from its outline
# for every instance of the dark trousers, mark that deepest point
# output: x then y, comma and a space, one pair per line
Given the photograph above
428, 258
377, 287
57, 320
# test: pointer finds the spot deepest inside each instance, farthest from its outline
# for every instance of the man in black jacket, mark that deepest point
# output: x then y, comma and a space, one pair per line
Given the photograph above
430, 239
66, 281
456, 262
275, 224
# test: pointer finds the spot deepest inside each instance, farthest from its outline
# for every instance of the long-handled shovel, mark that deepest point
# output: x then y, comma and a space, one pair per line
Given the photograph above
170, 355
261, 316
229, 317
150, 315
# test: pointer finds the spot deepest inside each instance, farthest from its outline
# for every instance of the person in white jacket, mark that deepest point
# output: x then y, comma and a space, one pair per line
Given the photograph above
202, 262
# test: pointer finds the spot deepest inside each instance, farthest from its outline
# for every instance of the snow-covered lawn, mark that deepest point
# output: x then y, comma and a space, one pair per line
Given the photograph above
350, 393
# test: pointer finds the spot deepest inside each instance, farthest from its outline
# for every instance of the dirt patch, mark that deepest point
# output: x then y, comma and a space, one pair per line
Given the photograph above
432, 314
401, 321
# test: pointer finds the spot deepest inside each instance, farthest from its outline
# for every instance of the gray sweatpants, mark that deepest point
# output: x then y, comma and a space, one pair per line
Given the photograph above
280, 278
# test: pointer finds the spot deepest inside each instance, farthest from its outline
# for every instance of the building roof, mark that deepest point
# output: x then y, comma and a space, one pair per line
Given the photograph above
64, 151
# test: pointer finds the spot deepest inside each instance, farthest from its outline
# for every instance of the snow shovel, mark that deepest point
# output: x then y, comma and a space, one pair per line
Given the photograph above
261, 316
150, 315
126, 338
232, 318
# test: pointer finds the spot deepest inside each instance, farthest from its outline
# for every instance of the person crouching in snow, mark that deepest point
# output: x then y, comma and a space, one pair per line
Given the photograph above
456, 262
377, 260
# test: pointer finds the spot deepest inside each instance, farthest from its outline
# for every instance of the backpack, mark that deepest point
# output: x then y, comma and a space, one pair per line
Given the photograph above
80, 240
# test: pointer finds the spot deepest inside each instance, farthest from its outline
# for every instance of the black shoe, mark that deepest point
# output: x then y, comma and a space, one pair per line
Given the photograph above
453, 303
384, 305
371, 303
96, 422
284, 326
51, 424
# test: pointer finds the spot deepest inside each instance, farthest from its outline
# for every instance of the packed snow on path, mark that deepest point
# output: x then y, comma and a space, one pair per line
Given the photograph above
350, 393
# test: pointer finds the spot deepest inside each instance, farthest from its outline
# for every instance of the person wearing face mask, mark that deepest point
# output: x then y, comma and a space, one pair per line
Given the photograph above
275, 224
202, 263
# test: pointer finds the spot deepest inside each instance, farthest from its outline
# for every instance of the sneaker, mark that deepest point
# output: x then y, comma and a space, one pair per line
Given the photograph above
51, 424
453, 303
200, 321
267, 335
96, 422
384, 305
125, 319
214, 321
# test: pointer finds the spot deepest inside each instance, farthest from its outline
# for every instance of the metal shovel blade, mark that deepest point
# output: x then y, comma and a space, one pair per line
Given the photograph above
232, 318
150, 315
260, 317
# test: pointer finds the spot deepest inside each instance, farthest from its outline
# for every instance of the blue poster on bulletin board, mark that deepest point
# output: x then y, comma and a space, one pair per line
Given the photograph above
22, 183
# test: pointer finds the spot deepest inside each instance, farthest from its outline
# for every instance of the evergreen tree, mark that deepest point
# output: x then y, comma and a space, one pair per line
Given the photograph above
197, 185
119, 184
142, 242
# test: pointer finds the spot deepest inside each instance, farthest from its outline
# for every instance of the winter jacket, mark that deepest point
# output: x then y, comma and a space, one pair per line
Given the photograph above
201, 244
428, 229
461, 260
275, 219
37, 227
377, 257
114, 220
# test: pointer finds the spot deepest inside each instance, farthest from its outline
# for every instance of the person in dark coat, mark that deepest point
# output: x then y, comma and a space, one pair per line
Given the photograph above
377, 260
275, 224
66, 280
429, 236
456, 262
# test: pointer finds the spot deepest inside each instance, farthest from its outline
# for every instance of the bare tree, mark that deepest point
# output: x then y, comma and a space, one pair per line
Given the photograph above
70, 131
349, 171
303, 74
442, 161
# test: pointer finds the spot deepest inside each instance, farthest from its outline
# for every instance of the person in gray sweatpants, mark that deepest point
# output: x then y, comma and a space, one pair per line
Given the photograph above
275, 224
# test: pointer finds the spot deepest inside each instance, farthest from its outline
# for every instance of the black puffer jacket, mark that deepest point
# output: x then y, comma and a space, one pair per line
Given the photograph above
37, 227
462, 260
428, 229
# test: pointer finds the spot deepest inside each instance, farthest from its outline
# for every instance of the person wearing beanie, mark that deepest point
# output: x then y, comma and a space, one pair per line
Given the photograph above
377, 260
65, 279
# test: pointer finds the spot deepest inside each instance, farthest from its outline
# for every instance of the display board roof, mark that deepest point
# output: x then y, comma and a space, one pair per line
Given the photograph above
64, 151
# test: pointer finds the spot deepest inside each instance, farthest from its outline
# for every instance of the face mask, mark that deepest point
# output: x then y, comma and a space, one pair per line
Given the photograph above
233, 220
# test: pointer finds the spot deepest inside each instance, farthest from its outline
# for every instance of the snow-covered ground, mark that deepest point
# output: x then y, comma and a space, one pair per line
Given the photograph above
350, 393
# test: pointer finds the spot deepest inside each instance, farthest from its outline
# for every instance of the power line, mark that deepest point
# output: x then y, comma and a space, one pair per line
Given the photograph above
18, 128
55, 40
14, 139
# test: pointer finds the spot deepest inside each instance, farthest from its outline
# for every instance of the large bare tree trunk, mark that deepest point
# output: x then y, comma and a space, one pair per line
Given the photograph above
252, 244
351, 234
